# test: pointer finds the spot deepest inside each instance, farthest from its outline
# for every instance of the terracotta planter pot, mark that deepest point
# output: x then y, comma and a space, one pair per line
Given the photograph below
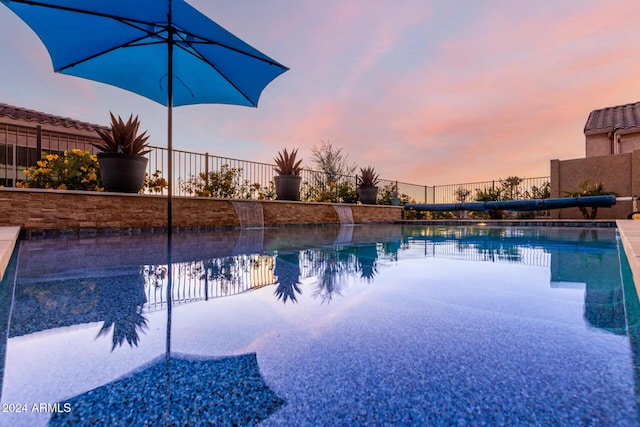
288, 187
368, 195
122, 173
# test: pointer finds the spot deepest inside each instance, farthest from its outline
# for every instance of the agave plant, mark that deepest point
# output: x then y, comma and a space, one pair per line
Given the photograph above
286, 163
123, 137
368, 177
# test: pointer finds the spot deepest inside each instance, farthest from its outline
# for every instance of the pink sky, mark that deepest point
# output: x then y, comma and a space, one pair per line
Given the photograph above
428, 92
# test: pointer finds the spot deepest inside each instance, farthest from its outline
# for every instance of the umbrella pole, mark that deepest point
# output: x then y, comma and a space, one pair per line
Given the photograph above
170, 176
167, 413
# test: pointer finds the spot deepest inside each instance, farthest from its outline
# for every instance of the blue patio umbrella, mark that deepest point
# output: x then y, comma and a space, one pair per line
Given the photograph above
165, 50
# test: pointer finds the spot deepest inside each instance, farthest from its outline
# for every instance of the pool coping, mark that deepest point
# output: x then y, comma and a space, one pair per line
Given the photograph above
629, 231
8, 239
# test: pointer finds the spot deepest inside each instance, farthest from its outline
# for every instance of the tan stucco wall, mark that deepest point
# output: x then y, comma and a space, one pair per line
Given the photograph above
619, 173
599, 144
629, 142
33, 209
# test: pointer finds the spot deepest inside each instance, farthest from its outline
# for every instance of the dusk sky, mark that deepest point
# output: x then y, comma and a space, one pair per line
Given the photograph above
427, 91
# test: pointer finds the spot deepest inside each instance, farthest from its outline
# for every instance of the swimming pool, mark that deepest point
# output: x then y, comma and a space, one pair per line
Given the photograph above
356, 325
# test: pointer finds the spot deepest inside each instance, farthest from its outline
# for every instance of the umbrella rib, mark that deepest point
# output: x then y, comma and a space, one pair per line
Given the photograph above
131, 21
205, 41
76, 10
183, 42
193, 51
128, 44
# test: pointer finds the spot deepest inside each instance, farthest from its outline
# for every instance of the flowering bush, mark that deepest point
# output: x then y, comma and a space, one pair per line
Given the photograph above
225, 183
154, 183
75, 170
342, 192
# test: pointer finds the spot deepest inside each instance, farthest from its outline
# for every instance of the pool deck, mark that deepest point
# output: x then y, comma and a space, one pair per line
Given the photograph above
629, 235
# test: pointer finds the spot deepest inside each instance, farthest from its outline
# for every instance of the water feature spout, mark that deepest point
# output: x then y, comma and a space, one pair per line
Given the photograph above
345, 215
249, 214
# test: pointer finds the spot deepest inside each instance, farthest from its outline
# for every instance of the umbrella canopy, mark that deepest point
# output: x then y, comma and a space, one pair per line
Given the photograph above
138, 45
164, 50
180, 390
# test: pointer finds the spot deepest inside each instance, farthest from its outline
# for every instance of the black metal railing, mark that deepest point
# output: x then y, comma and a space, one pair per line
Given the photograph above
22, 146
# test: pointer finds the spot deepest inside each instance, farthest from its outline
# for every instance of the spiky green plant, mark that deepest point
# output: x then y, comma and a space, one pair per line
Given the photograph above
286, 163
123, 137
368, 177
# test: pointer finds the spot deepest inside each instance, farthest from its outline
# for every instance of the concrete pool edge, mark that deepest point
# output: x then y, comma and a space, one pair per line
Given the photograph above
629, 231
8, 239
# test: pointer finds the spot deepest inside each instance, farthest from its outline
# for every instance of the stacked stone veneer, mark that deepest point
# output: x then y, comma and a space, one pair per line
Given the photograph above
34, 209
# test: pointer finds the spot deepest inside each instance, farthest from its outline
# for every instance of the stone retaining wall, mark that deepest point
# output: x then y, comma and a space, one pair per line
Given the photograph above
42, 210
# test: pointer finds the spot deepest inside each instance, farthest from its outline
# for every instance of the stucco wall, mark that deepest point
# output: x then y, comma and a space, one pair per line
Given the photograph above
597, 145
34, 209
600, 144
619, 173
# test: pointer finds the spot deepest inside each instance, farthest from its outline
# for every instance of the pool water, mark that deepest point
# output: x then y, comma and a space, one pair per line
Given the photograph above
356, 325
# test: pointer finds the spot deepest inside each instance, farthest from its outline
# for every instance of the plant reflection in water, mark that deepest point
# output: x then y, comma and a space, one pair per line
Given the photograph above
120, 306
287, 272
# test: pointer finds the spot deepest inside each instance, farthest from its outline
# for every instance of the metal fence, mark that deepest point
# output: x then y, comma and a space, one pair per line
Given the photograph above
22, 146
255, 179
234, 178
512, 188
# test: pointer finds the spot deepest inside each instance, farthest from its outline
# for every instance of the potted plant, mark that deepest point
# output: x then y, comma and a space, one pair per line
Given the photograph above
288, 179
395, 198
122, 161
367, 185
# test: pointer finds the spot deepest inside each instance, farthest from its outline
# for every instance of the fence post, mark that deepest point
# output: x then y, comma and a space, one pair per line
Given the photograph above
206, 170
38, 143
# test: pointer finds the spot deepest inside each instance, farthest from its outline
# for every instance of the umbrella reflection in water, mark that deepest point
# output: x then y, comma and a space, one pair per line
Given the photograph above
174, 389
178, 390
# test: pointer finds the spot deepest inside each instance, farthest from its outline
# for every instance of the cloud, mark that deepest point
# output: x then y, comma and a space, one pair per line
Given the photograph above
434, 92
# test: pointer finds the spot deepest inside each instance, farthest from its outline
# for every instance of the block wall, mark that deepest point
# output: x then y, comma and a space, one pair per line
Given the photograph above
619, 173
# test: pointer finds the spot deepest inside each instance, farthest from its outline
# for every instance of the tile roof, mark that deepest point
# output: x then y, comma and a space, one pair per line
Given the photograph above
44, 118
611, 118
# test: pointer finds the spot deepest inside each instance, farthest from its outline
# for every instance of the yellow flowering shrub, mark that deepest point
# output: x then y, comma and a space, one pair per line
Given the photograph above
75, 170
154, 183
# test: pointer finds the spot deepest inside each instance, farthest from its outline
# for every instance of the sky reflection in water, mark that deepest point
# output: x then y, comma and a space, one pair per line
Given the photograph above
361, 325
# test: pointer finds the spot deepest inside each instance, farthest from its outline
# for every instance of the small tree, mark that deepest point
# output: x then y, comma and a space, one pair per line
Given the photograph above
462, 194
585, 189
511, 187
332, 162
491, 195
332, 180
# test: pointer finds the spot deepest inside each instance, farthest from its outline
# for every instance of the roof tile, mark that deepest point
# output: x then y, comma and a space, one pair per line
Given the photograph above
611, 118
36, 116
